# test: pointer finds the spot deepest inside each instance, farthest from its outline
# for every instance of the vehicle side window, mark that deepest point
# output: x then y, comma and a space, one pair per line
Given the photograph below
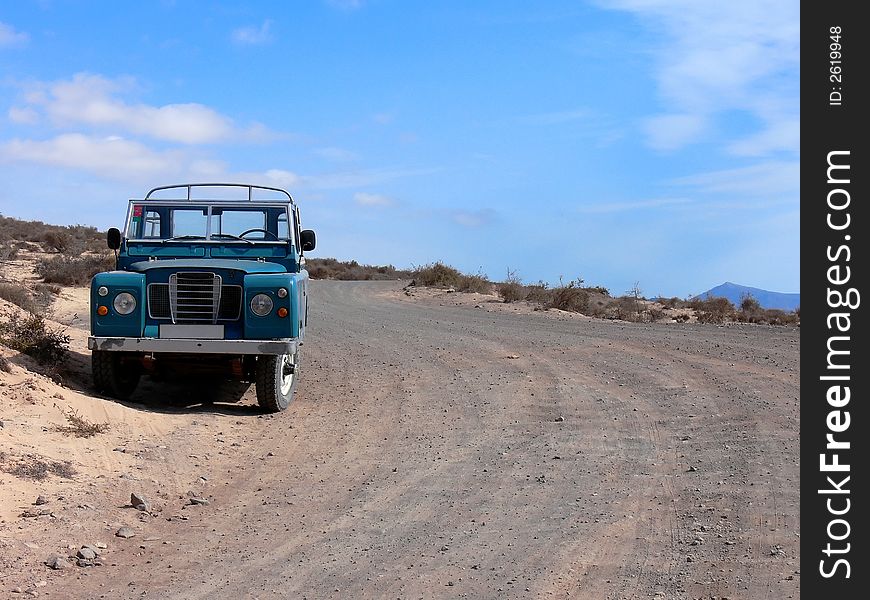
151, 225
283, 228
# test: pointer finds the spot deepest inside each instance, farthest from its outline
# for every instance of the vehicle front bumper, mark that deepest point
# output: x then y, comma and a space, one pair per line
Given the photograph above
193, 346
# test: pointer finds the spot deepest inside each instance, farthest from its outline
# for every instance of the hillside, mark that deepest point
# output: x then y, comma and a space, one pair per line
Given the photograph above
767, 299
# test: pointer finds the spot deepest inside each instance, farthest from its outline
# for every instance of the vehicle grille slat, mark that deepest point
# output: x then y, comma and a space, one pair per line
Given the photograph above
194, 298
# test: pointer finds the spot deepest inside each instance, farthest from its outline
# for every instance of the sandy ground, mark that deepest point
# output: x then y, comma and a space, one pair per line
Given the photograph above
440, 446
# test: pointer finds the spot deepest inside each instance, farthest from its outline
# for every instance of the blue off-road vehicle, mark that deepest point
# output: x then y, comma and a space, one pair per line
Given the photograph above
210, 279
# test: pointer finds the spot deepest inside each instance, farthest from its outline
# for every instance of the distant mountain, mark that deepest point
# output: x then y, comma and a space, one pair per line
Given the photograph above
734, 292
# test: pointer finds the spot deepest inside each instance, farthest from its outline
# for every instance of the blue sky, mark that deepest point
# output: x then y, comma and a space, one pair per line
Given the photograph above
620, 141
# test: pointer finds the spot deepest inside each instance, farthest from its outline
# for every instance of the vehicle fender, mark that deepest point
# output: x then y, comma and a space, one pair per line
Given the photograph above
272, 326
112, 323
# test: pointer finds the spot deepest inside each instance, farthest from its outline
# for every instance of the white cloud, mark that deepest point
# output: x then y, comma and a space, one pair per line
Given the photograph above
612, 207
109, 157
282, 178
473, 218
346, 4
373, 200
10, 37
670, 132
92, 100
717, 57
253, 36
773, 180
25, 115
336, 154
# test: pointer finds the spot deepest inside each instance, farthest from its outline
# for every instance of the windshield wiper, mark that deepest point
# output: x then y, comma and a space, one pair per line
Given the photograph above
232, 237
183, 237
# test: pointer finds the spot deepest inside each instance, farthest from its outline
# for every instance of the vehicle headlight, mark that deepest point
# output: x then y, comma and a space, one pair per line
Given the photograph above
103, 291
261, 305
282, 292
124, 303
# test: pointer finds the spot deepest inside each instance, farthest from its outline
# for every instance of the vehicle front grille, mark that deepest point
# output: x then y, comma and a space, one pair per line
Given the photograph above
194, 297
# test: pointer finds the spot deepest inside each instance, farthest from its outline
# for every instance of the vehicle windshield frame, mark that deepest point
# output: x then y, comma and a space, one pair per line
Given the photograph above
209, 207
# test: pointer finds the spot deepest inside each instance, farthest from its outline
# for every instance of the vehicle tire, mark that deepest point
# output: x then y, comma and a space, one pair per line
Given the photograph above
112, 376
276, 381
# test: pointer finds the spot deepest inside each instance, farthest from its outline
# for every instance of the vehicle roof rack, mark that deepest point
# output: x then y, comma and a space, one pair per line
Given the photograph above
189, 186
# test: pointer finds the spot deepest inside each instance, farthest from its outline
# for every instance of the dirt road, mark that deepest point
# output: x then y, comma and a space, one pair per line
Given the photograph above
440, 451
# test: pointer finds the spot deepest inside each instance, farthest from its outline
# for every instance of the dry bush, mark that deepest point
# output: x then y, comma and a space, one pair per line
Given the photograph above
80, 426
713, 310
33, 337
475, 283
539, 293
5, 365
623, 308
9, 252
437, 274
32, 467
671, 303
597, 289
59, 238
331, 268
748, 303
512, 290
571, 297
18, 295
66, 270
655, 314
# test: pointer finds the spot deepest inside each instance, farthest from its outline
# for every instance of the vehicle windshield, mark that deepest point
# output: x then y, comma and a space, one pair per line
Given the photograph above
161, 222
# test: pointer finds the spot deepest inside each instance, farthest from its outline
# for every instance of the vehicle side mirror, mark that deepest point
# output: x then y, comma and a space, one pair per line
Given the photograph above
309, 240
113, 238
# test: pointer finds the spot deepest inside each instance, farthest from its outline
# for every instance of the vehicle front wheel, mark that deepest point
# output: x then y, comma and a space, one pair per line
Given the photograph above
112, 375
276, 380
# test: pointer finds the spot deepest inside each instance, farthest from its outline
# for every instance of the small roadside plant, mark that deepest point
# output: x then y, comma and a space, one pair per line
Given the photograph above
33, 337
79, 426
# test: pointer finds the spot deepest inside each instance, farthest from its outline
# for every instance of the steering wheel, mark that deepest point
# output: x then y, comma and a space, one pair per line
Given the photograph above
266, 231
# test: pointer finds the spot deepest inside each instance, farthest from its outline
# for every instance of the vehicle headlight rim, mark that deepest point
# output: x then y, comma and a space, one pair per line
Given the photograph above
124, 303
261, 305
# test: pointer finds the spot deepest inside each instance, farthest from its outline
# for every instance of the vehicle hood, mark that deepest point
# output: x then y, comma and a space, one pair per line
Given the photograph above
248, 266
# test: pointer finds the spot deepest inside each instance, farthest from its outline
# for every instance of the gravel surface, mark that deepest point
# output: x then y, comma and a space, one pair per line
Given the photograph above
439, 451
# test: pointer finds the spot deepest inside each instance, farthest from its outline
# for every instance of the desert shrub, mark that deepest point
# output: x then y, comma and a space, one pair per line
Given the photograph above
597, 289
539, 293
18, 295
5, 365
32, 467
512, 290
670, 303
748, 303
33, 337
681, 318
624, 308
331, 268
475, 283
437, 274
66, 270
775, 316
54, 238
9, 252
80, 426
570, 297
713, 309
58, 241
655, 314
